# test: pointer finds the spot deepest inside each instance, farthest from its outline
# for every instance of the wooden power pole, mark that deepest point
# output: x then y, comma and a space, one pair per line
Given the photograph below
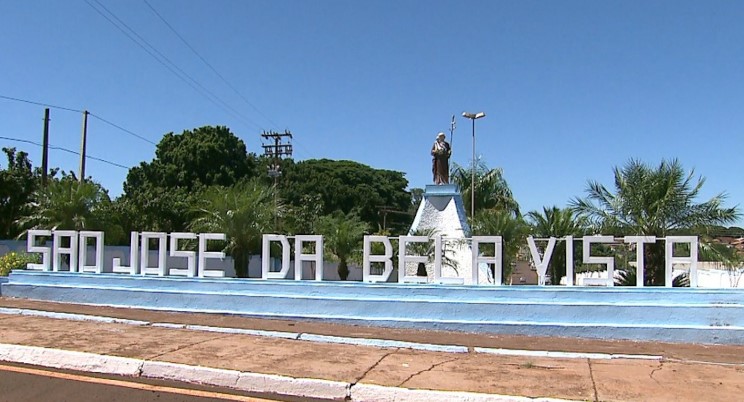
82, 145
45, 149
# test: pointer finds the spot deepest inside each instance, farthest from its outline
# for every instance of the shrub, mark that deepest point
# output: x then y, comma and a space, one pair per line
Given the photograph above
14, 260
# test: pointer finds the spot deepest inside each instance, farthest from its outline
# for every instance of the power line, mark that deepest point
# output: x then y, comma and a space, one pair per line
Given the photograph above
80, 111
65, 150
40, 104
122, 129
208, 64
167, 63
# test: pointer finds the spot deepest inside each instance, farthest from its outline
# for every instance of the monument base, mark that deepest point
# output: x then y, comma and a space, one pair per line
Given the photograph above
682, 315
442, 212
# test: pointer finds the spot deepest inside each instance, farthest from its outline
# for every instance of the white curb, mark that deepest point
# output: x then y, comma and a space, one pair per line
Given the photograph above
70, 360
253, 332
192, 374
305, 387
384, 343
378, 393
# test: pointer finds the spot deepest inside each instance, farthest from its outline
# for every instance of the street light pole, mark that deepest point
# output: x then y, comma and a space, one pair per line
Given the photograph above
473, 117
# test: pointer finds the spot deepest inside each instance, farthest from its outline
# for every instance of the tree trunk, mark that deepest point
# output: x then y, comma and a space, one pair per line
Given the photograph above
241, 264
343, 270
654, 264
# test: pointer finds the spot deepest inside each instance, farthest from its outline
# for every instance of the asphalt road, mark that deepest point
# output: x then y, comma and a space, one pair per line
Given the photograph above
20, 383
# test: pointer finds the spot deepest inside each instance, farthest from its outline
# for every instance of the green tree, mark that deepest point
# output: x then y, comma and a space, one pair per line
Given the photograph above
158, 194
303, 218
244, 212
556, 222
348, 186
652, 201
511, 228
69, 204
491, 189
343, 236
17, 185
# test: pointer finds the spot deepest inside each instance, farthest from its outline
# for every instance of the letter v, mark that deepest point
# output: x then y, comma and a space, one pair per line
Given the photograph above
541, 264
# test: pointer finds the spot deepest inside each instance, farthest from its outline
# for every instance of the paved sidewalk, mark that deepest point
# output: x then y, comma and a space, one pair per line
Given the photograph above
684, 373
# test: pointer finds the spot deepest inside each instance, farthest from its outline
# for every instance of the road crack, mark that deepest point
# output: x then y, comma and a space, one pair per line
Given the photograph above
188, 346
594, 383
374, 366
428, 369
651, 374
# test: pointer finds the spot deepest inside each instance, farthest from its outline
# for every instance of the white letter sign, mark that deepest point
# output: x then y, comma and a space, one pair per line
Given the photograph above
590, 259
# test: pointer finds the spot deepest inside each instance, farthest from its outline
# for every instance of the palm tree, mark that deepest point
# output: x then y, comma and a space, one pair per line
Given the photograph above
343, 236
428, 249
511, 228
656, 202
556, 222
491, 189
244, 212
67, 204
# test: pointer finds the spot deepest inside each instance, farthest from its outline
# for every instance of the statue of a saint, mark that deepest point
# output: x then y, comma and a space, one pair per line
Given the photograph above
440, 153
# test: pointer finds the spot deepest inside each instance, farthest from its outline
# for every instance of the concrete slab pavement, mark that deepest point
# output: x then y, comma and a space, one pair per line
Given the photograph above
686, 372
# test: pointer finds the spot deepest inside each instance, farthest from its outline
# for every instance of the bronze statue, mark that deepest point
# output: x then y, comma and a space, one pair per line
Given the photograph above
440, 153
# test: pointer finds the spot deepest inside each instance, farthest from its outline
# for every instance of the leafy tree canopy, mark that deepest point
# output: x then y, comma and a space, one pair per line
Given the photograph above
158, 194
491, 189
345, 186
17, 184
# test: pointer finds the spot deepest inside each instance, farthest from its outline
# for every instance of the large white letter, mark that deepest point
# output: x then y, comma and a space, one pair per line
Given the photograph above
589, 259
671, 259
59, 250
83, 252
386, 258
31, 247
496, 259
541, 264
316, 257
132, 269
190, 256
569, 261
204, 254
639, 241
404, 258
161, 268
266, 257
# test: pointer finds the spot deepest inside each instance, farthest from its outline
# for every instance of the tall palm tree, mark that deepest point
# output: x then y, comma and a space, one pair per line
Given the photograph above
512, 230
244, 212
343, 236
556, 222
656, 202
491, 189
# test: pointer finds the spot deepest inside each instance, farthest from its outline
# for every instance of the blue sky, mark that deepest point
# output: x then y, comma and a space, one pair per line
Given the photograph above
570, 88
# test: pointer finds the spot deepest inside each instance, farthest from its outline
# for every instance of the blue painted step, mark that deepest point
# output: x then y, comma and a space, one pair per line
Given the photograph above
678, 315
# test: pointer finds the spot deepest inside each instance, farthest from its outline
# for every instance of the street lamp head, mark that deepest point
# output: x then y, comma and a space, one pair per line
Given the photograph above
473, 116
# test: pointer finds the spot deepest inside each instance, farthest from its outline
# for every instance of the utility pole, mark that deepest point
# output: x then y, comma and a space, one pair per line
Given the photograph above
45, 149
82, 146
276, 151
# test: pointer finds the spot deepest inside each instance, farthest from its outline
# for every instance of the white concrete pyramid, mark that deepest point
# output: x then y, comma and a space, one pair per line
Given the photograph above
442, 209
